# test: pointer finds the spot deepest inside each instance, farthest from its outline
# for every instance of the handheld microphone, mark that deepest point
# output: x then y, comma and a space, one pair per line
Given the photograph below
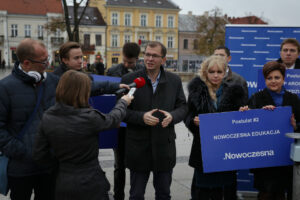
137, 83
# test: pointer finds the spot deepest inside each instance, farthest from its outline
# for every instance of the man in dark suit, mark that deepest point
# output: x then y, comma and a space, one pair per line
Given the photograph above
150, 139
289, 53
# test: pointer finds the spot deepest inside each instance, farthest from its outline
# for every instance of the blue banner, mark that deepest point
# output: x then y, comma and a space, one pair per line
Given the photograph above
251, 46
291, 81
104, 103
243, 140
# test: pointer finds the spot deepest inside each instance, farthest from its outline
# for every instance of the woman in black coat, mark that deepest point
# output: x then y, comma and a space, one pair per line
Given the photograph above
68, 135
209, 94
273, 182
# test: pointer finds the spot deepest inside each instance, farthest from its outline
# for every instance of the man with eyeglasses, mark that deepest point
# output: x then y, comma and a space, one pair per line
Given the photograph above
150, 133
130, 53
19, 92
71, 57
289, 53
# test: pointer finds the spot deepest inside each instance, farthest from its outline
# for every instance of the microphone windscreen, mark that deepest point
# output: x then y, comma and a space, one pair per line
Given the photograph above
140, 82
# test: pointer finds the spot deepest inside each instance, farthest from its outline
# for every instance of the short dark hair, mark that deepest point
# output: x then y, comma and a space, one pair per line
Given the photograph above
227, 51
73, 89
272, 66
65, 49
290, 41
26, 49
131, 50
153, 44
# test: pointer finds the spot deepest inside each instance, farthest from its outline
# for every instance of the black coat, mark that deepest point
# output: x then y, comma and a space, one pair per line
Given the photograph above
69, 136
273, 178
152, 148
120, 70
18, 98
297, 63
199, 102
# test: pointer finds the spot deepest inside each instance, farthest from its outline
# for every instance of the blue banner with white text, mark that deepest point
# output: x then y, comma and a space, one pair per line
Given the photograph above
251, 46
104, 103
243, 140
291, 81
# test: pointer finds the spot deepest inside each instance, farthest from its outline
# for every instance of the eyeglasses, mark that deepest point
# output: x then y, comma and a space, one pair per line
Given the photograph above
148, 55
45, 62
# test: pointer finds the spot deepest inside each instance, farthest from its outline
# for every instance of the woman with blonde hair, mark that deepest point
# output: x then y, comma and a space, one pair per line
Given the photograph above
68, 135
208, 93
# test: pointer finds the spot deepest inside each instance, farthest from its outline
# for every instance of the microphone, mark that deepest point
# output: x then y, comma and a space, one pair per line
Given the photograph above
137, 83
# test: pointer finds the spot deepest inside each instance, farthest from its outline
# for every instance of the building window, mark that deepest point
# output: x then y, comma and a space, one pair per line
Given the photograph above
196, 44
127, 38
185, 44
127, 19
158, 38
86, 40
114, 40
98, 40
158, 21
170, 22
143, 20
27, 28
114, 60
170, 42
14, 56
114, 18
57, 33
40, 31
14, 30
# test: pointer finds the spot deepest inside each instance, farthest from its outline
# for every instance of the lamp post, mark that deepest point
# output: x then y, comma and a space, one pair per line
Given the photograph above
295, 156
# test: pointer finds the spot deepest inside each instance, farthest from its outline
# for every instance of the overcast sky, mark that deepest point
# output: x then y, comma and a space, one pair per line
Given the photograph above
276, 12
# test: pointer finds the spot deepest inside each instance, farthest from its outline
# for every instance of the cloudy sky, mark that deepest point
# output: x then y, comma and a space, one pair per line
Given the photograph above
275, 12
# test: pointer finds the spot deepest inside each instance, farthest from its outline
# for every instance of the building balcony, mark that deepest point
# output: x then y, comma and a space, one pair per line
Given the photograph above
57, 41
88, 47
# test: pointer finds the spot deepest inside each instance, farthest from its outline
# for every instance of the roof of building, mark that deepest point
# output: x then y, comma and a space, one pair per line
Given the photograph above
91, 16
31, 7
144, 3
246, 20
188, 22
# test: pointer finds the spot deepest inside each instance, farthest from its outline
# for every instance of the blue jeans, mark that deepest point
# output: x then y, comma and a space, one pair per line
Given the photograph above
161, 182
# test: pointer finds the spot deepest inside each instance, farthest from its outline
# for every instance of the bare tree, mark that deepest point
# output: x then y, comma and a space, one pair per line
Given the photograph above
71, 25
211, 27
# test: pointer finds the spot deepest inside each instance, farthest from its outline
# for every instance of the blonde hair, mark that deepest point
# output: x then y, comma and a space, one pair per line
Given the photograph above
73, 89
205, 66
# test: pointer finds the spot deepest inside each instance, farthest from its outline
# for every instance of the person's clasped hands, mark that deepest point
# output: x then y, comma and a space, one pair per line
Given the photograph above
155, 116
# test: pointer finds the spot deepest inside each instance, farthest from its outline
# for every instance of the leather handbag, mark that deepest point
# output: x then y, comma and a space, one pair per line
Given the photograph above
4, 160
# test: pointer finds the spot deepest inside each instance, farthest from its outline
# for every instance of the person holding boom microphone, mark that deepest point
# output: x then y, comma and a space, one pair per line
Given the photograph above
150, 139
72, 121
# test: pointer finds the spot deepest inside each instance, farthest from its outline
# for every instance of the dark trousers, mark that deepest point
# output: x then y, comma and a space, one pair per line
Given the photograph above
161, 182
228, 192
119, 171
21, 187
